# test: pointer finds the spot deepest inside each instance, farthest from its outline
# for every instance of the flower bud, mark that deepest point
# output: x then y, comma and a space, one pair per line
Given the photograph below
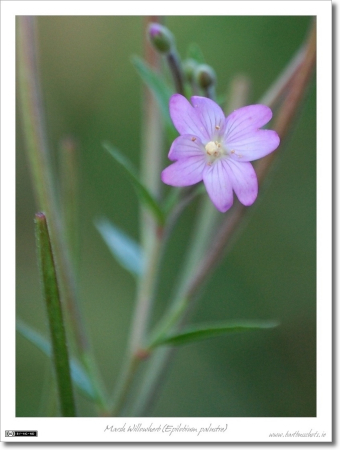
189, 67
161, 38
205, 76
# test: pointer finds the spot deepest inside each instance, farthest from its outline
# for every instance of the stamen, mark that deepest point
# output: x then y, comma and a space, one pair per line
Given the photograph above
193, 139
217, 127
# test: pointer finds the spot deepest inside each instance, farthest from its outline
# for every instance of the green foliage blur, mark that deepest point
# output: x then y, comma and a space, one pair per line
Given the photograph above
92, 93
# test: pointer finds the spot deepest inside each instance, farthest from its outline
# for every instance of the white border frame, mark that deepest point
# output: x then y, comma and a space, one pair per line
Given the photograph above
92, 429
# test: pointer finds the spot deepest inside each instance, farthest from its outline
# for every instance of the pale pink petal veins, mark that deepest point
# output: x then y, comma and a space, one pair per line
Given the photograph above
243, 180
184, 172
218, 185
252, 145
186, 146
211, 115
185, 118
246, 119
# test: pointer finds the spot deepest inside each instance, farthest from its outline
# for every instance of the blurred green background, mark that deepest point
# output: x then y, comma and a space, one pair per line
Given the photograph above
92, 92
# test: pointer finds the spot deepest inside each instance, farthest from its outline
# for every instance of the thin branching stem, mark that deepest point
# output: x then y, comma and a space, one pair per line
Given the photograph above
151, 236
297, 83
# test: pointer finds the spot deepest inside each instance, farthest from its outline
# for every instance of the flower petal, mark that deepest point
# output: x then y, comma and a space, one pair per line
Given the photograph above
243, 180
211, 116
186, 146
218, 185
253, 145
184, 172
185, 118
246, 119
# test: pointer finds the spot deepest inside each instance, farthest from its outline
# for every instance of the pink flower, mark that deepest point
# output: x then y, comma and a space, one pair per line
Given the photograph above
217, 149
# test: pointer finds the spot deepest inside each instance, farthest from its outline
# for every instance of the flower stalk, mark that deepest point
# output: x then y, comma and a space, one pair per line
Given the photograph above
176, 70
297, 83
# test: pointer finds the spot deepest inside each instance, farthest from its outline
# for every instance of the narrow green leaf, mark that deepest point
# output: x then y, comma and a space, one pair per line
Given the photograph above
195, 53
126, 251
55, 316
79, 376
143, 193
200, 332
157, 85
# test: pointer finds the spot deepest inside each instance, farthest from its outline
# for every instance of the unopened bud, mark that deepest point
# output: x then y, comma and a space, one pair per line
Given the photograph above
189, 67
161, 38
205, 76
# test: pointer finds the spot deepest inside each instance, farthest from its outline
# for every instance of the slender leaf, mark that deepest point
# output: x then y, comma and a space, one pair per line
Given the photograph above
55, 316
157, 85
200, 332
79, 376
127, 252
143, 193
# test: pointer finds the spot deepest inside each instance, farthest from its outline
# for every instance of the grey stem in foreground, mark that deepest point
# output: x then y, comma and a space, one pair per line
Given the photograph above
39, 160
33, 121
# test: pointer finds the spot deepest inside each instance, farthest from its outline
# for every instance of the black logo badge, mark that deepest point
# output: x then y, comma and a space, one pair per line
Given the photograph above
21, 433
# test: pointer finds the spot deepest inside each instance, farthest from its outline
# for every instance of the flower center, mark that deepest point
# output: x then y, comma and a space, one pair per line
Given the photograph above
214, 150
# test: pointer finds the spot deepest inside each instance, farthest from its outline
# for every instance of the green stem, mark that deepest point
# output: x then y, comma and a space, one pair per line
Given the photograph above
136, 351
123, 385
38, 156
69, 181
55, 317
144, 299
151, 236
